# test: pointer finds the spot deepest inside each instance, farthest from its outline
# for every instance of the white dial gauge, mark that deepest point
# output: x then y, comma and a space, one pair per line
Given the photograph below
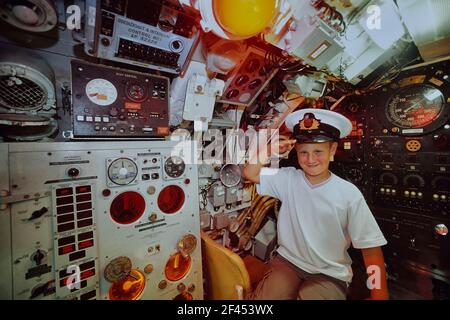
230, 175
101, 92
122, 171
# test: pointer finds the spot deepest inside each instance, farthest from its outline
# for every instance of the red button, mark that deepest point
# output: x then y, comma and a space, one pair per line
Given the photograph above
66, 249
87, 274
85, 244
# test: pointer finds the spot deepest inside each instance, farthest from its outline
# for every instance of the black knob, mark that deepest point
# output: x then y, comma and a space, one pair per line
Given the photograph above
73, 172
38, 256
176, 44
43, 289
38, 213
106, 42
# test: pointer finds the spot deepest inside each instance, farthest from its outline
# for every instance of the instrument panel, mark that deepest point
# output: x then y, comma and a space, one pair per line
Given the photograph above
107, 212
416, 104
115, 103
407, 149
152, 34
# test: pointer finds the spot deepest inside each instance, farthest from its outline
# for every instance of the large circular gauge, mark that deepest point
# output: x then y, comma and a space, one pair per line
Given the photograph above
354, 175
230, 175
415, 106
127, 207
128, 288
136, 92
171, 199
174, 167
177, 266
122, 171
101, 92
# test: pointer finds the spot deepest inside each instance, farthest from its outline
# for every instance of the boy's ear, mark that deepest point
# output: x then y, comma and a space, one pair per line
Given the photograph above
333, 148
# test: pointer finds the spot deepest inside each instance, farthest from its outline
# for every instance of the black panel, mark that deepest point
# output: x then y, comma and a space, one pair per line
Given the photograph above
138, 107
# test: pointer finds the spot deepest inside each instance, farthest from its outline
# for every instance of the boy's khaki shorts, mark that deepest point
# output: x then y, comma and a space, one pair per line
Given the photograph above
285, 281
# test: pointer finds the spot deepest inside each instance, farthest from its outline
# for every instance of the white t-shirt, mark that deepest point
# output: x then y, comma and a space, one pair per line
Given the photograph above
317, 223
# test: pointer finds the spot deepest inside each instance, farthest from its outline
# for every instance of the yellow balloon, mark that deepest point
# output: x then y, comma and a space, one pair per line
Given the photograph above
244, 18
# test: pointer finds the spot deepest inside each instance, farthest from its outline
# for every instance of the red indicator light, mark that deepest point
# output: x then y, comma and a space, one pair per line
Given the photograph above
127, 207
171, 199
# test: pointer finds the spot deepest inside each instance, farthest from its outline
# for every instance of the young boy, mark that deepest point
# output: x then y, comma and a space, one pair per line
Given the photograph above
320, 217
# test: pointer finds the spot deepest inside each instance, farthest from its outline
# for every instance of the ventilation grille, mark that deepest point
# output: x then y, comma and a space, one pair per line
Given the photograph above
20, 93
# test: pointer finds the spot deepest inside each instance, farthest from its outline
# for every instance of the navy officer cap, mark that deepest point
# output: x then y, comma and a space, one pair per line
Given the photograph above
318, 125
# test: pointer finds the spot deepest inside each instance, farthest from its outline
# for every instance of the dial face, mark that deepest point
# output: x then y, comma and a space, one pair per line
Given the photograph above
171, 199
101, 92
415, 106
187, 244
230, 175
136, 92
177, 266
122, 171
355, 175
117, 269
128, 288
174, 166
127, 207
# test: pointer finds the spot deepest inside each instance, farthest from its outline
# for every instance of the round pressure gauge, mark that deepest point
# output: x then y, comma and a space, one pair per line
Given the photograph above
230, 175
122, 171
101, 92
136, 92
415, 106
117, 269
174, 166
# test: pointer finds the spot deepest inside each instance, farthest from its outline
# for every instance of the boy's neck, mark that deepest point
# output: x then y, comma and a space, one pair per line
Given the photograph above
324, 176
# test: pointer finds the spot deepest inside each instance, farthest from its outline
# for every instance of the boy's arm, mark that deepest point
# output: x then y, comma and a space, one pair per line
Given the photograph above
257, 159
253, 168
377, 283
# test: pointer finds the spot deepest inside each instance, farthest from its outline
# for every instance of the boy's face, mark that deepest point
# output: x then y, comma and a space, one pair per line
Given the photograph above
314, 158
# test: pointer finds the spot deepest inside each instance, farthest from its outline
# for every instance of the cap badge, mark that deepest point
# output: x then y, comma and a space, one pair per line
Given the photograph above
309, 122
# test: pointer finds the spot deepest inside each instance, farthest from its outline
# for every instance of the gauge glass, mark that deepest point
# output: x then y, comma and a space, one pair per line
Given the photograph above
127, 207
117, 269
136, 92
171, 199
177, 266
415, 106
355, 175
122, 171
230, 175
187, 244
129, 288
101, 92
174, 167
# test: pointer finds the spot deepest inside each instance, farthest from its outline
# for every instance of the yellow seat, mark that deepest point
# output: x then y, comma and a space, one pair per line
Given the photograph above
227, 276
